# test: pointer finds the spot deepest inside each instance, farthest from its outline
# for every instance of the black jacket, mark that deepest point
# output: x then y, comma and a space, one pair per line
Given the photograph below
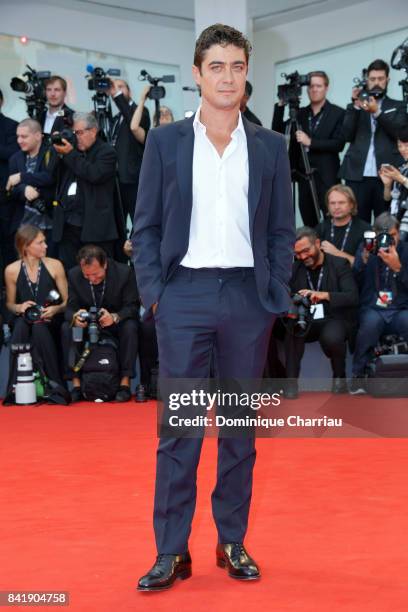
327, 140
42, 179
248, 114
120, 296
60, 122
338, 280
8, 145
357, 131
354, 238
94, 172
128, 149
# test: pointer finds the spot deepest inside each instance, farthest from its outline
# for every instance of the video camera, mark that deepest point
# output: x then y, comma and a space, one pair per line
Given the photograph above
290, 93
99, 79
374, 242
34, 313
300, 313
157, 92
32, 84
91, 317
365, 93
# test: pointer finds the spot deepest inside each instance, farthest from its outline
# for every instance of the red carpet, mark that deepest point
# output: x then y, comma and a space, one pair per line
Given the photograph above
329, 521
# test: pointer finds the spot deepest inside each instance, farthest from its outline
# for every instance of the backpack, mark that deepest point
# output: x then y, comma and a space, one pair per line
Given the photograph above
100, 373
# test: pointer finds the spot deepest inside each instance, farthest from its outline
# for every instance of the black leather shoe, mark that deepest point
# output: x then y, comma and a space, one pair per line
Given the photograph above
339, 385
140, 394
123, 394
236, 560
76, 395
165, 571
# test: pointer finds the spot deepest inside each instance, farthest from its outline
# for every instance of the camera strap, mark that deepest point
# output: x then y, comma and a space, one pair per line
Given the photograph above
314, 120
388, 284
30, 284
319, 280
102, 294
346, 233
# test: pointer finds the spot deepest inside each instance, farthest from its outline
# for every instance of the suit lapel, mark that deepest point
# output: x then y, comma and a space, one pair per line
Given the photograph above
255, 168
185, 150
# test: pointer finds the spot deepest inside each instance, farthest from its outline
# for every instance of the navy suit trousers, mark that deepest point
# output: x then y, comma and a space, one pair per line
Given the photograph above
204, 314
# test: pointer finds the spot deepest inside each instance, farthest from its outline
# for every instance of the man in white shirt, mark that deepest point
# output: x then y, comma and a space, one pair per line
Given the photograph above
212, 248
58, 115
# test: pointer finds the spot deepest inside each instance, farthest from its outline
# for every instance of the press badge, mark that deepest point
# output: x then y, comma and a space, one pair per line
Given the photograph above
384, 299
317, 311
72, 189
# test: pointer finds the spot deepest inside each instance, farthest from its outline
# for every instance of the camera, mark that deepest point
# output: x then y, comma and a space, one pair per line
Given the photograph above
374, 242
157, 92
91, 317
98, 78
32, 84
291, 91
34, 313
39, 204
67, 133
365, 93
300, 313
399, 58
391, 345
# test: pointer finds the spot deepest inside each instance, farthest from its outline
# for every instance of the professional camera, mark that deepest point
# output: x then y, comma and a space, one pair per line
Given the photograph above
157, 92
34, 313
365, 93
374, 242
99, 80
39, 204
291, 92
300, 313
32, 84
91, 317
391, 345
399, 58
67, 133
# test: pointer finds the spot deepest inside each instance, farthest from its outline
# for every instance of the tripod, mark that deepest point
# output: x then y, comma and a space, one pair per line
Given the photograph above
292, 126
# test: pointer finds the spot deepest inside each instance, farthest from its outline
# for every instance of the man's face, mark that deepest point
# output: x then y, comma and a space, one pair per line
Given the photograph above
307, 251
28, 141
55, 94
403, 149
377, 78
123, 88
93, 272
317, 90
339, 206
85, 136
222, 77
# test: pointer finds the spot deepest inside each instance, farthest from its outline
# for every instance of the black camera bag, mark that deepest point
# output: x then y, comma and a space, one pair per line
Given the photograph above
100, 373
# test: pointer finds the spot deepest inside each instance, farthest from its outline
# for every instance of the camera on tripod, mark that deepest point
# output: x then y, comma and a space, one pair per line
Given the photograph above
99, 79
157, 92
365, 93
91, 317
34, 313
291, 92
300, 313
32, 84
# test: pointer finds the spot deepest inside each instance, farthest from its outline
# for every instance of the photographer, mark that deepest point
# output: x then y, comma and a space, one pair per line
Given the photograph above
29, 281
30, 182
58, 115
8, 146
327, 281
382, 277
86, 192
321, 134
342, 231
129, 147
110, 287
395, 182
371, 125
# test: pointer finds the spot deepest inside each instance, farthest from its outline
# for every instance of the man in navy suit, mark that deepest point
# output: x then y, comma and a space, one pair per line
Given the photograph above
212, 248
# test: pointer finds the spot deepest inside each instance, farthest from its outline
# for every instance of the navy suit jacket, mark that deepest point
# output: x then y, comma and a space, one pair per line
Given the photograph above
164, 203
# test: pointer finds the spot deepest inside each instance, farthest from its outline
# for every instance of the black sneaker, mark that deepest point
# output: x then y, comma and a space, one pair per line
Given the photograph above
357, 386
123, 394
76, 395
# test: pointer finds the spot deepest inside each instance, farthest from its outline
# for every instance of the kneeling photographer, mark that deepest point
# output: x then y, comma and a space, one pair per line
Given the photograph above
381, 269
103, 304
325, 301
36, 288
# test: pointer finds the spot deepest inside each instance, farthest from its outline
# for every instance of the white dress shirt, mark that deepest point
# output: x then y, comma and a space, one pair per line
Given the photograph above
49, 121
219, 228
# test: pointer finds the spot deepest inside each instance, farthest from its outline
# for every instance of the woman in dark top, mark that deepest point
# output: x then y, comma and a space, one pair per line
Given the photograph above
29, 281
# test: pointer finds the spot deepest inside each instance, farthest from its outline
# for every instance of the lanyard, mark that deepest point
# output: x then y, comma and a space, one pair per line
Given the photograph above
313, 125
34, 292
346, 233
392, 285
319, 280
102, 296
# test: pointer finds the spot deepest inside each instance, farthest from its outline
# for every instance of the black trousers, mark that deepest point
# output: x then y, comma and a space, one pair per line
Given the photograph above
71, 243
128, 193
125, 332
43, 338
148, 351
332, 335
370, 197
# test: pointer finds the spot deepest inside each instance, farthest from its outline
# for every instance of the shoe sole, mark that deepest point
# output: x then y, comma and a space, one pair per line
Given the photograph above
223, 564
181, 576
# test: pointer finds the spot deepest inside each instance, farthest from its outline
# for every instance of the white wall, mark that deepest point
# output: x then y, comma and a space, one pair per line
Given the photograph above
318, 34
81, 30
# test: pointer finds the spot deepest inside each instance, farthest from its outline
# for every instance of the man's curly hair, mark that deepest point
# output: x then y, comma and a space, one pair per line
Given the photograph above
220, 34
